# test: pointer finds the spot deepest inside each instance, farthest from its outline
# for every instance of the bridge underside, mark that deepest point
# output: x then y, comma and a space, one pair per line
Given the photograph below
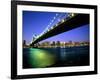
74, 22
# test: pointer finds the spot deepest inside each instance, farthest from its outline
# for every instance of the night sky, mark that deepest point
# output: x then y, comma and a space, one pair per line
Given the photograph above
35, 23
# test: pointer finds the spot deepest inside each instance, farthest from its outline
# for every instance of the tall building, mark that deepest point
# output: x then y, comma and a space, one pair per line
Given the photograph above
58, 43
24, 43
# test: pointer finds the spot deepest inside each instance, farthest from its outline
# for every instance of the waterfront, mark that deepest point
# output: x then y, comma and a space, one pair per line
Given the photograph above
55, 57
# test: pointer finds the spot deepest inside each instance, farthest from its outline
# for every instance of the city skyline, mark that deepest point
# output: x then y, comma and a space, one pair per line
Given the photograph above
33, 20
55, 44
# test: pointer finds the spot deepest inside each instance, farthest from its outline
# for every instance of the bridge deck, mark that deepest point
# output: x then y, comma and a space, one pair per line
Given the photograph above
74, 22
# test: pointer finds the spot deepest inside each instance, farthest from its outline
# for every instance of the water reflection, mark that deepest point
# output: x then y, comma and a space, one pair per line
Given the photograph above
55, 57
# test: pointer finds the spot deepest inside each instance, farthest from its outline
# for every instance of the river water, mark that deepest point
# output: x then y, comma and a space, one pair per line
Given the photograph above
55, 57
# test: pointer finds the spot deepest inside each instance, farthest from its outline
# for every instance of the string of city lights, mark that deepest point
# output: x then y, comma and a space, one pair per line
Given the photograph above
59, 18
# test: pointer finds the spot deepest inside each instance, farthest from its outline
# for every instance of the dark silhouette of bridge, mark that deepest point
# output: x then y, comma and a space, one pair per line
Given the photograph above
66, 25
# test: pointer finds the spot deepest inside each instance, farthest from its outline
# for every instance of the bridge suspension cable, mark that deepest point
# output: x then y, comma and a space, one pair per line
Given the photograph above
59, 17
48, 26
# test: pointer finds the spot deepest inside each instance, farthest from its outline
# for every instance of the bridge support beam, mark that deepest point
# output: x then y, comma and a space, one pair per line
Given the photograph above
74, 22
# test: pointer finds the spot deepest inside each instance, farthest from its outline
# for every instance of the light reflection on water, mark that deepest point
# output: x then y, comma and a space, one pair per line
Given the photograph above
55, 57
41, 58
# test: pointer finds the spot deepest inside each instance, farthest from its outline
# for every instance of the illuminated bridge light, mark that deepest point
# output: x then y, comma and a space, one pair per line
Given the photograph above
54, 18
48, 30
38, 36
71, 15
57, 24
57, 14
62, 20
51, 27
